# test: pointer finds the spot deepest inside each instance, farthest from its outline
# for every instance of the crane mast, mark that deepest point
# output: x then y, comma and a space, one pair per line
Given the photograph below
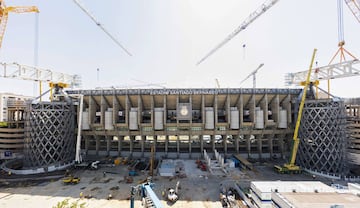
252, 17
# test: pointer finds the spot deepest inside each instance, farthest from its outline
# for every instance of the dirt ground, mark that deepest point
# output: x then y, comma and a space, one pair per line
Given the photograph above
198, 189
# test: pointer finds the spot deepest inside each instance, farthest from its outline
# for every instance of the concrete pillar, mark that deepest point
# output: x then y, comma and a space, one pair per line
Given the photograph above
143, 138
202, 145
270, 141
132, 138
224, 138
259, 143
166, 145
236, 144
212, 142
120, 145
155, 145
97, 147
178, 146
190, 146
108, 142
248, 145
281, 146
87, 145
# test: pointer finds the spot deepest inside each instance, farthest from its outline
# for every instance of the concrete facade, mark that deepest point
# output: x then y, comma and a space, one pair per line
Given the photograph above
181, 123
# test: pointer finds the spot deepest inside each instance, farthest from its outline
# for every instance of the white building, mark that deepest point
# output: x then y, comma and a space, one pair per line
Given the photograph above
12, 120
289, 194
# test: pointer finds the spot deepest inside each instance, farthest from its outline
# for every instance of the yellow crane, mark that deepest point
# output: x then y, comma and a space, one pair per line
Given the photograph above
291, 167
4, 14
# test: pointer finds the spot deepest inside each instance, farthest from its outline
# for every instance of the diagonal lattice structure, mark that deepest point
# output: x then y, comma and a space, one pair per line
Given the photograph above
49, 134
323, 139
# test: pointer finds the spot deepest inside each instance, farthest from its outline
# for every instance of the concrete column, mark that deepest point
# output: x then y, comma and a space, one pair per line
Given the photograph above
132, 138
189, 146
166, 145
224, 138
178, 146
120, 145
202, 145
212, 137
236, 144
281, 146
143, 138
108, 142
97, 147
87, 144
155, 145
248, 145
259, 143
270, 140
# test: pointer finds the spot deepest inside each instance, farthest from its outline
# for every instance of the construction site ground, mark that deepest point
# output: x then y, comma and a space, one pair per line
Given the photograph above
197, 189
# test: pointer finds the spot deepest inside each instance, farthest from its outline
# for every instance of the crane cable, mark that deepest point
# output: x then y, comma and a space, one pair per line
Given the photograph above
340, 23
77, 2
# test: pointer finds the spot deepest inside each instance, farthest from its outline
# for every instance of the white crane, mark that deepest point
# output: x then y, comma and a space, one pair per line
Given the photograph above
253, 16
354, 6
87, 12
253, 73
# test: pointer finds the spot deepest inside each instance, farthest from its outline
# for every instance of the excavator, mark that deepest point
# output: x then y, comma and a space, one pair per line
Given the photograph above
291, 167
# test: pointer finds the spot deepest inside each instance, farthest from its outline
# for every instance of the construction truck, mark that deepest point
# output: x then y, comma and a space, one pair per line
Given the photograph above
291, 167
172, 195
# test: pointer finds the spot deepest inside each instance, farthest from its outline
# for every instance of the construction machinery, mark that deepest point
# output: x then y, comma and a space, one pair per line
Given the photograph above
252, 17
56, 80
71, 180
291, 167
344, 68
147, 194
4, 14
172, 195
253, 74
341, 50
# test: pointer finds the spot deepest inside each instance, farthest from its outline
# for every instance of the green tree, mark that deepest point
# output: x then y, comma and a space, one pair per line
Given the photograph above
66, 204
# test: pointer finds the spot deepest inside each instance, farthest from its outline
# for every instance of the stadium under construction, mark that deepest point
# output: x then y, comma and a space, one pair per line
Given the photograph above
180, 123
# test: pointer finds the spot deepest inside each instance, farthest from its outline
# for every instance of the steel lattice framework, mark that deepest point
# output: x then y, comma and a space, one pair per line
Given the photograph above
322, 136
333, 71
49, 134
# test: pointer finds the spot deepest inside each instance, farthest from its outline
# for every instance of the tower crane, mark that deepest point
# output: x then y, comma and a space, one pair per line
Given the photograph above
341, 51
4, 14
88, 13
217, 83
354, 6
253, 16
345, 68
253, 73
24, 72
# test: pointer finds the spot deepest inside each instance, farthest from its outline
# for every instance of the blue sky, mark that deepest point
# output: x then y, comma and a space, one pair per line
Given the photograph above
167, 38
